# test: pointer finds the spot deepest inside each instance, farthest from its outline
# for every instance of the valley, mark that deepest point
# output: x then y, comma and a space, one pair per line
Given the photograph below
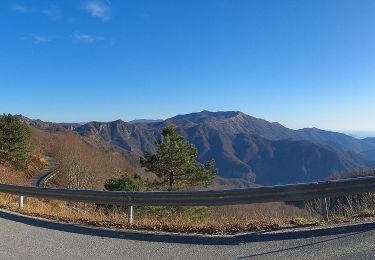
246, 149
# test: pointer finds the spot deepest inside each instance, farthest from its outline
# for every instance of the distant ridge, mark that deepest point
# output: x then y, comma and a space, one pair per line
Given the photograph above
49, 126
360, 134
244, 147
145, 121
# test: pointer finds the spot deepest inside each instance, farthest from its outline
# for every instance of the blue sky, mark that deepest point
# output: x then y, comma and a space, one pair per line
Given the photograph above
302, 63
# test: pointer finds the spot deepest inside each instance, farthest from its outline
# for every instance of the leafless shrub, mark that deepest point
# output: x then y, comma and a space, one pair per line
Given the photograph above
347, 206
74, 169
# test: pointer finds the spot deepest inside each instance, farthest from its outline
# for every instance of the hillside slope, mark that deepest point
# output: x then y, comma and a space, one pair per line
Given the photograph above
244, 147
240, 123
97, 161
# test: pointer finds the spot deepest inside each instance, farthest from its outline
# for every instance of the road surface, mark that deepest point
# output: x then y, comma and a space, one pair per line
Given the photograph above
23, 237
39, 179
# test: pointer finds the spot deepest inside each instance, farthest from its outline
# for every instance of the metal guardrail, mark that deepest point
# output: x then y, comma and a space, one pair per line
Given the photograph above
287, 193
48, 173
43, 181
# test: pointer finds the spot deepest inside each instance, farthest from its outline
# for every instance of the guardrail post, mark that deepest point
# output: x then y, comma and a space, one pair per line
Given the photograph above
130, 214
325, 209
20, 202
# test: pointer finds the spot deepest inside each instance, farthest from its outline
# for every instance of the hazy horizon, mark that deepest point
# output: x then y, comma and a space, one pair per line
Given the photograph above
360, 134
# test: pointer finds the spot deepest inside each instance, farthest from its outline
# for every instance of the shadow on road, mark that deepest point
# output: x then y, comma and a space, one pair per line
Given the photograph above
184, 238
300, 246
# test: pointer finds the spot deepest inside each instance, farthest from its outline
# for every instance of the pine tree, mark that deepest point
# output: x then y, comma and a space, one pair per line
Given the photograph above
14, 141
175, 162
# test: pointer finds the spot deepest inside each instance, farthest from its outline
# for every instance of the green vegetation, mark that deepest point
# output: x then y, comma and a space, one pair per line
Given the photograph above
175, 162
124, 183
176, 166
14, 141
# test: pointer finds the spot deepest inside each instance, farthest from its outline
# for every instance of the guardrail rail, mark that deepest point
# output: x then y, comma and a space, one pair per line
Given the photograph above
286, 193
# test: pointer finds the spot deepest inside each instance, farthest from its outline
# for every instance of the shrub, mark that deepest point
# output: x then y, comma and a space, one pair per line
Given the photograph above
124, 183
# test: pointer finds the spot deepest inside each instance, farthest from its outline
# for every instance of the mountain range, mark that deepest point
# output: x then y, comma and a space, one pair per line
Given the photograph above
246, 149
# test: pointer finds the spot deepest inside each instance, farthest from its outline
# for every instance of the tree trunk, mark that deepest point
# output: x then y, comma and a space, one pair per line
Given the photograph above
171, 180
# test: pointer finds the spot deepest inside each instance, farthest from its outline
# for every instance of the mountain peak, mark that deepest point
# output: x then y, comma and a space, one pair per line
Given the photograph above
47, 126
243, 146
205, 115
119, 121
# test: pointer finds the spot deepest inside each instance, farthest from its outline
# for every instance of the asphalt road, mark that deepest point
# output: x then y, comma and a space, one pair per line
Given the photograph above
39, 179
23, 237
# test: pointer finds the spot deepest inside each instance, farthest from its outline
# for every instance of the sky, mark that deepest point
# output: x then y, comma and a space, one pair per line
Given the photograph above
303, 63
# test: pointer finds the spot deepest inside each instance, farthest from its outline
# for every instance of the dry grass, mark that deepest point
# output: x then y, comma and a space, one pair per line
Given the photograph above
11, 176
97, 161
84, 213
222, 220
260, 210
60, 210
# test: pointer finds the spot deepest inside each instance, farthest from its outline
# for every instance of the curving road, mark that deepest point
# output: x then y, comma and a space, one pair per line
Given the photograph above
24, 237
40, 179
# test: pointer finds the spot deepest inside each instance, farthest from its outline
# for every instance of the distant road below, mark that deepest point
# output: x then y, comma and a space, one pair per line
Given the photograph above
30, 238
39, 179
